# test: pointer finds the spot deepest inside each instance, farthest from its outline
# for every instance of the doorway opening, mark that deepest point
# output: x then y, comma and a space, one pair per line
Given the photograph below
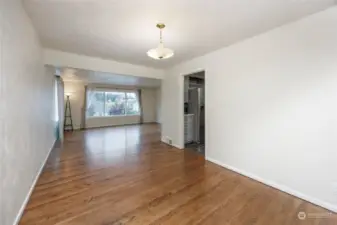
194, 112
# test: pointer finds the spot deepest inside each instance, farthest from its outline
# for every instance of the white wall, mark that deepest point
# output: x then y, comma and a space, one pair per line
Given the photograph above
111, 121
26, 109
76, 90
158, 102
271, 107
149, 105
76, 100
65, 59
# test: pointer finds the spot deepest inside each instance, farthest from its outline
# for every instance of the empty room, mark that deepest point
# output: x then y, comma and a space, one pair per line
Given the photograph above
180, 112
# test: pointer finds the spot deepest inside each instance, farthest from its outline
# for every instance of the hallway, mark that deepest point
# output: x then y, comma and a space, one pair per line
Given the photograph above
125, 175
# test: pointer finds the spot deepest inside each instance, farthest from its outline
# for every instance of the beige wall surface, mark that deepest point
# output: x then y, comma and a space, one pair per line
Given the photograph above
76, 97
149, 105
111, 121
27, 109
159, 105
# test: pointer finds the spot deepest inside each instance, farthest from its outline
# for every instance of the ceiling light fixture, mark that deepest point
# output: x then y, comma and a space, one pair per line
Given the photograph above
160, 52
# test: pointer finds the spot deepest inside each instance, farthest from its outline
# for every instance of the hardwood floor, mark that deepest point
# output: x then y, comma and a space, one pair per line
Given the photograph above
125, 175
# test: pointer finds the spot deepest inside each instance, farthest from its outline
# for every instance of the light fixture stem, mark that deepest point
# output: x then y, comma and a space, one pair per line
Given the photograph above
161, 36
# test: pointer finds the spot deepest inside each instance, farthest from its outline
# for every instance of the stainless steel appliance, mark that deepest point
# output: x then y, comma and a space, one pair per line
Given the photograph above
196, 107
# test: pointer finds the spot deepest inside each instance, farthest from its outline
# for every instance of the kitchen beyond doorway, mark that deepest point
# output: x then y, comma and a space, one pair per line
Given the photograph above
194, 112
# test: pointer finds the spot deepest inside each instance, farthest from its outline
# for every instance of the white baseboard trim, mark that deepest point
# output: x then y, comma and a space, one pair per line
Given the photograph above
177, 146
174, 145
282, 188
24, 204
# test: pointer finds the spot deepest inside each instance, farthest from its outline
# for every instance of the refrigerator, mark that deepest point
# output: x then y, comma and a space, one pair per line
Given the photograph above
196, 107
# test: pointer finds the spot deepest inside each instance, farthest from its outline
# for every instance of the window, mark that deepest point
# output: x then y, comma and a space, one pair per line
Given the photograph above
112, 103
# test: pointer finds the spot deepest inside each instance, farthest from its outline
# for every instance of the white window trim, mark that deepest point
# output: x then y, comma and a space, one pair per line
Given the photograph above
125, 91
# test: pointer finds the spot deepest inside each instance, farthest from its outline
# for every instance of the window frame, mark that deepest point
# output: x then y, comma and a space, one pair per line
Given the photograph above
105, 91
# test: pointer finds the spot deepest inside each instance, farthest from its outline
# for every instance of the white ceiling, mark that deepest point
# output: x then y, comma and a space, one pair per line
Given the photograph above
125, 30
93, 77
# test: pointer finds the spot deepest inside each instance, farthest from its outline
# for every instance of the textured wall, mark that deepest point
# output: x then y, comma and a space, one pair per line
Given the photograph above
26, 109
271, 109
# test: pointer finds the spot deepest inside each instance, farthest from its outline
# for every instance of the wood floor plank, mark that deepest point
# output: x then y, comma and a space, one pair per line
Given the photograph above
126, 175
200, 207
158, 208
136, 201
233, 205
104, 193
106, 178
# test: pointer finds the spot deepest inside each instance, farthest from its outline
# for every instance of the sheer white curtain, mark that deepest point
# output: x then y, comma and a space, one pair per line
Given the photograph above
141, 119
60, 105
84, 107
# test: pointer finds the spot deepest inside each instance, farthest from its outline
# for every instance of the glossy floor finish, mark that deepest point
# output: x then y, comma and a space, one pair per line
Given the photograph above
125, 175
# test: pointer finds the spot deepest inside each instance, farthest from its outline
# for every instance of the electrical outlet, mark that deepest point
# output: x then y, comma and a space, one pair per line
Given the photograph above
169, 141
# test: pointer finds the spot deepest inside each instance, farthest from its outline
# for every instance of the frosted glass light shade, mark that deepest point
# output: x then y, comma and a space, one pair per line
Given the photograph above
160, 52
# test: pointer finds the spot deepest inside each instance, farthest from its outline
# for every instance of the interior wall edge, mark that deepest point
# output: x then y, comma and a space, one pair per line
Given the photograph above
66, 59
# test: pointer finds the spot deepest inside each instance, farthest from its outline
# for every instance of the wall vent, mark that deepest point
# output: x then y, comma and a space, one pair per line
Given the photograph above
168, 140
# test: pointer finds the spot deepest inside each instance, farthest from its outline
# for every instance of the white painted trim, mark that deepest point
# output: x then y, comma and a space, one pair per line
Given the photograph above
177, 146
24, 204
174, 145
181, 103
280, 187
